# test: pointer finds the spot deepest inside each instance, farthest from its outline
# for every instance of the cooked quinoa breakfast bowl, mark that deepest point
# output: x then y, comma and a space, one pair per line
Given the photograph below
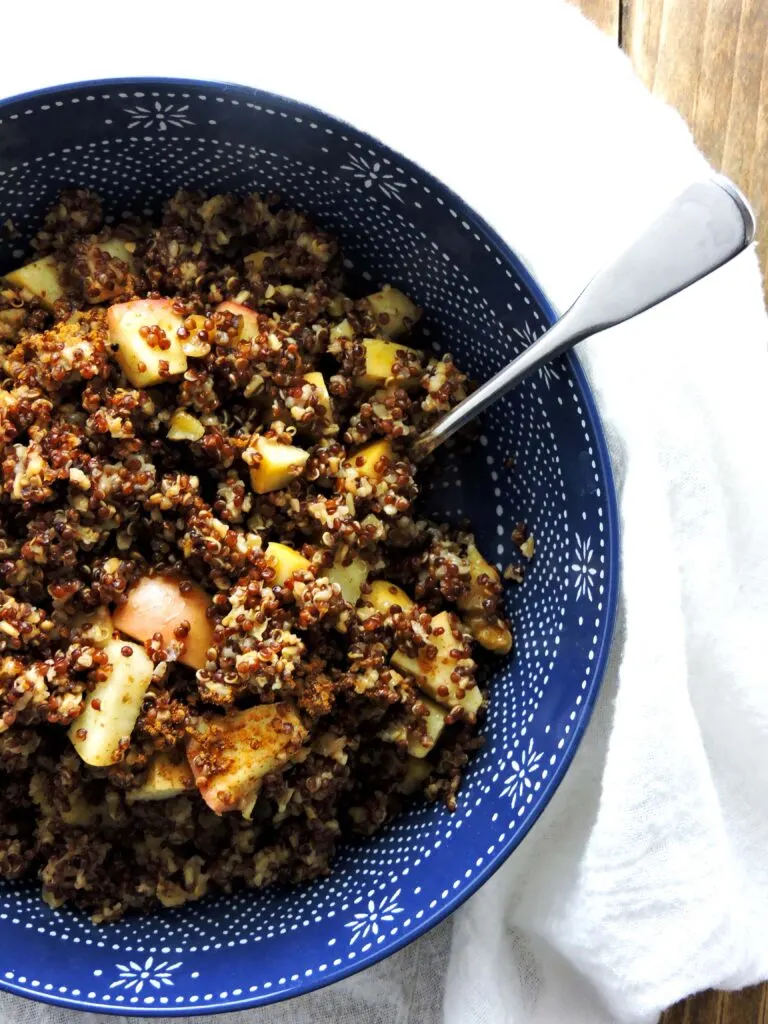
230, 638
276, 696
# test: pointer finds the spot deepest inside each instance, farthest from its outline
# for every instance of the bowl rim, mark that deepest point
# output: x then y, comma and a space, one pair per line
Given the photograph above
523, 269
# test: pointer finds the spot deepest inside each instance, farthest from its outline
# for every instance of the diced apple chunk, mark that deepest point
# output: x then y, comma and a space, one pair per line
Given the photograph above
200, 332
95, 627
416, 774
250, 318
495, 636
426, 730
350, 578
394, 311
146, 364
169, 775
380, 359
336, 305
472, 600
117, 247
433, 675
102, 732
11, 320
366, 461
41, 279
325, 399
285, 560
185, 427
257, 261
273, 465
283, 293
230, 754
100, 290
419, 733
343, 329
160, 604
383, 595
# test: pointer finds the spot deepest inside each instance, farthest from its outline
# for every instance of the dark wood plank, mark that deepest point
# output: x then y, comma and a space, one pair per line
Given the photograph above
749, 1006
704, 1008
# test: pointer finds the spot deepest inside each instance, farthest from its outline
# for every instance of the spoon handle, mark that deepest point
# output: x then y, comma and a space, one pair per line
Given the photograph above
705, 227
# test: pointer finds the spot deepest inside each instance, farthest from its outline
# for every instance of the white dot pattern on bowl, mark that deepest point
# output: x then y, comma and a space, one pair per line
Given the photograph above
540, 459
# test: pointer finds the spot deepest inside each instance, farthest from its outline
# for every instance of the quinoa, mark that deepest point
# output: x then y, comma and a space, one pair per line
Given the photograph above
200, 410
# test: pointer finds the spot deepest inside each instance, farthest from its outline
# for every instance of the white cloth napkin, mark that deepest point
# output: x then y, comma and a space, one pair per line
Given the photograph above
647, 876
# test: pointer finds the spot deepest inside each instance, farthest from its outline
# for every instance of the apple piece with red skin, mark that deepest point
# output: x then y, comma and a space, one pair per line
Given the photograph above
160, 604
250, 327
230, 754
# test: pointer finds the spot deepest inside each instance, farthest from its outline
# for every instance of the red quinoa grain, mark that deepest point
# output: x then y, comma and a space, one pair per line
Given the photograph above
104, 483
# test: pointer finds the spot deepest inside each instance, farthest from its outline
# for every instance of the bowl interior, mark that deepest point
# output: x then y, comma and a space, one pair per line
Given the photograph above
541, 459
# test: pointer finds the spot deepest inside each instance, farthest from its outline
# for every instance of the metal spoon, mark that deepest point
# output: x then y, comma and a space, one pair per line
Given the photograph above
705, 227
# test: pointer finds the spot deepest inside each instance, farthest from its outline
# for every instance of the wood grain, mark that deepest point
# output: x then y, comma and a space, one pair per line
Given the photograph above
749, 1006
704, 1008
709, 59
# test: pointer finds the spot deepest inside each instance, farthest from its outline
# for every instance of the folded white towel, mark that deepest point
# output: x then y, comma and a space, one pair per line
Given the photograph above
647, 876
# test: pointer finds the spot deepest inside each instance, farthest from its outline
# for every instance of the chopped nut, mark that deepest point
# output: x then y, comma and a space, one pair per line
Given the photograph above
527, 547
185, 427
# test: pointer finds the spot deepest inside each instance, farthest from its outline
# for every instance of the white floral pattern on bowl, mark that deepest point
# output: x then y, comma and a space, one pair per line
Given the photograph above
136, 976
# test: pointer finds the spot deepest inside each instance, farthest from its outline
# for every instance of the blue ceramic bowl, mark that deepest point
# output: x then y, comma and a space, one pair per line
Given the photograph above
136, 141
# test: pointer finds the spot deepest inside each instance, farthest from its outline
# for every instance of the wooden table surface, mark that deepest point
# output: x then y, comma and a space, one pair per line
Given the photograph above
709, 59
